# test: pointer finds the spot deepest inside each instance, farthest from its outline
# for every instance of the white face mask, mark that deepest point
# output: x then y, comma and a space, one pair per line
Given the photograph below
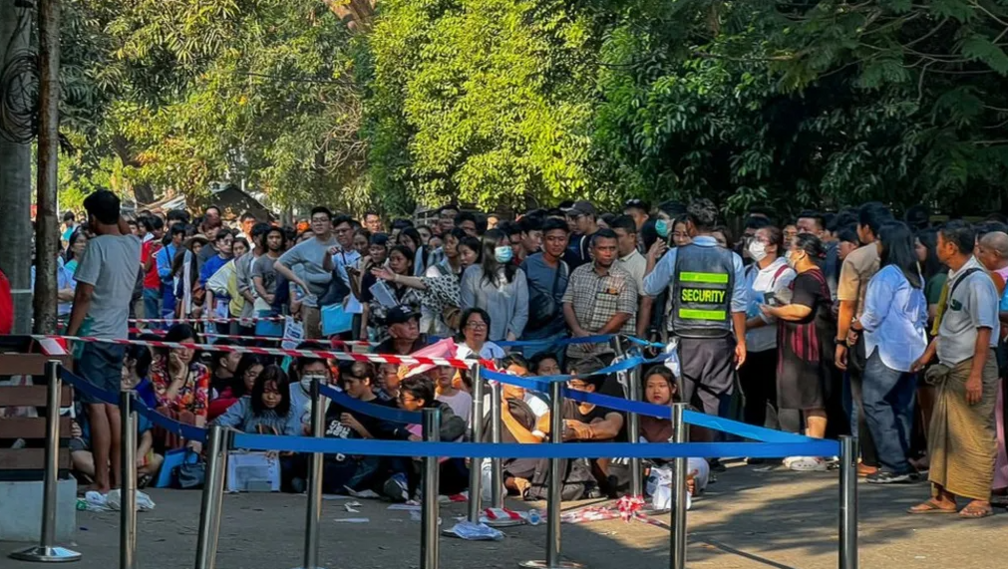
306, 381
757, 250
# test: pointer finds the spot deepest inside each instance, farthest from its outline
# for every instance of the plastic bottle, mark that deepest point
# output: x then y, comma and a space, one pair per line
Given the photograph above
533, 517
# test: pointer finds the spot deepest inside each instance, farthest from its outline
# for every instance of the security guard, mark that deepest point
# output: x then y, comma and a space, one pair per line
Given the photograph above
708, 296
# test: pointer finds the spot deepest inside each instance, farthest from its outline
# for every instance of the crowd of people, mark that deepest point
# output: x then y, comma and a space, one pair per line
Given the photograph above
852, 322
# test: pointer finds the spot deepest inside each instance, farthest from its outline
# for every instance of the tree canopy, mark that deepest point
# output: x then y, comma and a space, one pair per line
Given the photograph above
788, 103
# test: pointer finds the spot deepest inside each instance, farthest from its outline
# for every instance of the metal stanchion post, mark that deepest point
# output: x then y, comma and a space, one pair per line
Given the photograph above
554, 497
314, 513
46, 551
633, 433
681, 435
848, 503
127, 510
430, 508
496, 465
213, 497
476, 463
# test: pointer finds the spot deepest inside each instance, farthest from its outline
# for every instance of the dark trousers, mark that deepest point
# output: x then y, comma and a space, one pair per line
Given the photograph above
856, 362
888, 400
708, 373
758, 378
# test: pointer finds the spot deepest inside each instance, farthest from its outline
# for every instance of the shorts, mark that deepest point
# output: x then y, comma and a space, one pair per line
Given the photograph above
100, 364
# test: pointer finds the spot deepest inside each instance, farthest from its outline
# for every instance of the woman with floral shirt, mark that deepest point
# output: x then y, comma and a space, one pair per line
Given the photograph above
181, 385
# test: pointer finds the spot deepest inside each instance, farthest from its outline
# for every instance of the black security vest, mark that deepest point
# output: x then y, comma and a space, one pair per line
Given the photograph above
702, 287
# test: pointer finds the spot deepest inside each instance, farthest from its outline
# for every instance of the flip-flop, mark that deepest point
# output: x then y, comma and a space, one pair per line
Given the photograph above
930, 507
971, 512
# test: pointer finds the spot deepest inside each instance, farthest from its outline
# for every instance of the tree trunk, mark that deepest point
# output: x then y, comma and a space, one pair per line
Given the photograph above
15, 187
46, 222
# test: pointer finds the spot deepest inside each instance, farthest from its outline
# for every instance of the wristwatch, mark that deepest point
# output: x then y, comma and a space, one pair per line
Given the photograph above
840, 341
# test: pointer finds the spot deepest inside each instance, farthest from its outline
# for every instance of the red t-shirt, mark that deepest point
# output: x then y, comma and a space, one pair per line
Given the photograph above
151, 279
6, 305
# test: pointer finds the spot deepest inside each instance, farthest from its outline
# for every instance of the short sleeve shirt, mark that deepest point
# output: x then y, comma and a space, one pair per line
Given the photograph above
596, 299
858, 268
263, 268
110, 264
972, 305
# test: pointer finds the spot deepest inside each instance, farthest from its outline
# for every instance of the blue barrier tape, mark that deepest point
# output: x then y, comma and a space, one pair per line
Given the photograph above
82, 385
370, 409
645, 343
188, 432
558, 341
514, 450
736, 428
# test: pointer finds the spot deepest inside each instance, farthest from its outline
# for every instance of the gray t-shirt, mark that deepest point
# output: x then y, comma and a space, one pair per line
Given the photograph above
263, 268
310, 255
972, 305
110, 263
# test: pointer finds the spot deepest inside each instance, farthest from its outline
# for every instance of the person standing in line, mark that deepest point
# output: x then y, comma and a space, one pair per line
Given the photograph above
148, 256
582, 218
805, 326
962, 445
858, 268
312, 255
264, 275
768, 279
105, 278
993, 254
893, 321
499, 287
372, 222
707, 287
547, 276
165, 258
600, 299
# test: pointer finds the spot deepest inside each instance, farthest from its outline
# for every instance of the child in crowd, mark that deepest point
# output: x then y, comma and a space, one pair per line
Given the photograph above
660, 389
389, 382
459, 401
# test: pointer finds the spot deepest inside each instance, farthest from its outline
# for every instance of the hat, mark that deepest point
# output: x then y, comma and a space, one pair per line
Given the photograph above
400, 314
581, 207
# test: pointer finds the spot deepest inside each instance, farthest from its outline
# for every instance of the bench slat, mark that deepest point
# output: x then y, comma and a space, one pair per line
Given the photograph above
29, 428
31, 396
30, 459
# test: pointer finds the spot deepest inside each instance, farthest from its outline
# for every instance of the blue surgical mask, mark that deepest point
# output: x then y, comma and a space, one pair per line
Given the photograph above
662, 226
503, 254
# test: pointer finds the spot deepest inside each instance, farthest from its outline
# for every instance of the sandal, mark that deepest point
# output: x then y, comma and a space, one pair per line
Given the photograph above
930, 507
999, 501
974, 512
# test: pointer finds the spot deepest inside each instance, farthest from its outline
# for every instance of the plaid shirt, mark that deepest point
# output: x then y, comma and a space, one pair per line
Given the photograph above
596, 299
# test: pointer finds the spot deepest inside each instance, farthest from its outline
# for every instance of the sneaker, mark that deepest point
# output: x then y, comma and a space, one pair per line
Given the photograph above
807, 464
887, 477
396, 489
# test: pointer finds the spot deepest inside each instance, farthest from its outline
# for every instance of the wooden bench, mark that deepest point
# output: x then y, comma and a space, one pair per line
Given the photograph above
27, 463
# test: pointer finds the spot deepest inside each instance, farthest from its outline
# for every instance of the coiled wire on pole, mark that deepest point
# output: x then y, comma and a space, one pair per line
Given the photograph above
19, 80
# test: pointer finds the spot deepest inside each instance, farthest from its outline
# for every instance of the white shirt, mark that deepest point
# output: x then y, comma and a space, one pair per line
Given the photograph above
636, 265
765, 287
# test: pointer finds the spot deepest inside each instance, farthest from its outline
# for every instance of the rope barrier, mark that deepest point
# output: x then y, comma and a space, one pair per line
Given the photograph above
331, 342
372, 447
391, 414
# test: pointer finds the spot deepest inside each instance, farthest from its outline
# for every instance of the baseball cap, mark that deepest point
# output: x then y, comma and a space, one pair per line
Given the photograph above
400, 314
581, 207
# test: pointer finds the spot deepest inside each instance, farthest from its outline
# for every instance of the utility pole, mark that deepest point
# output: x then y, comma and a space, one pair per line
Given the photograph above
15, 156
47, 231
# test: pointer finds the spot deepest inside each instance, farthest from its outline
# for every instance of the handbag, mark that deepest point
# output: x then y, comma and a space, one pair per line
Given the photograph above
190, 475
543, 308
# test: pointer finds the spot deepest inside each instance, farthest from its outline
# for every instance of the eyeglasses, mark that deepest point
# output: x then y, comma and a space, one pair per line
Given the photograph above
343, 230
476, 325
320, 220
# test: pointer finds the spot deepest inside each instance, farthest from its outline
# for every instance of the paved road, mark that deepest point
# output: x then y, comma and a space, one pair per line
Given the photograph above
747, 520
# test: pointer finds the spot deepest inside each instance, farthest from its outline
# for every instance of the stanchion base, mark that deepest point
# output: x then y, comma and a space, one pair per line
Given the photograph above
44, 554
537, 564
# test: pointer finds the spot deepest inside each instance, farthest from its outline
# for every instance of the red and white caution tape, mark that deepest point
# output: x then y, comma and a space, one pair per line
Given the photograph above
345, 356
250, 320
350, 343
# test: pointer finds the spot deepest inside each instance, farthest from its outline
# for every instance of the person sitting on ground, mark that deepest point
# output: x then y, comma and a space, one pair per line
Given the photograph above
389, 380
474, 326
415, 394
525, 418
404, 332
267, 410
182, 387
660, 388
587, 421
460, 401
225, 364
309, 369
344, 472
546, 363
249, 368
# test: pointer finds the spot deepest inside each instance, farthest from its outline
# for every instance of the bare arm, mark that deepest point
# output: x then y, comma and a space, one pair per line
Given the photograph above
615, 323
289, 275
644, 318
81, 305
572, 321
